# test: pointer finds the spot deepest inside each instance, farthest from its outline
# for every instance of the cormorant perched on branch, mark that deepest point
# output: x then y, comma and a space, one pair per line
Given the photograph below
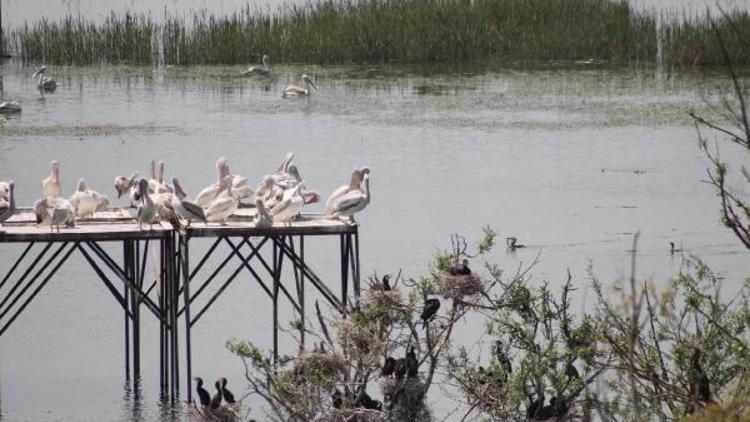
367, 402
534, 406
337, 399
429, 311
203, 396
387, 282
460, 269
502, 358
412, 365
228, 396
400, 370
700, 385
216, 399
571, 372
388, 366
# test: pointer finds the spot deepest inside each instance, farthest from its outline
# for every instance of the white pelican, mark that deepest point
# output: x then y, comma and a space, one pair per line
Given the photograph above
265, 70
289, 206
263, 220
124, 184
83, 201
224, 205
240, 187
62, 212
352, 202
146, 212
284, 166
162, 187
51, 184
44, 84
184, 207
287, 179
293, 91
4, 190
8, 206
163, 203
354, 183
10, 107
207, 195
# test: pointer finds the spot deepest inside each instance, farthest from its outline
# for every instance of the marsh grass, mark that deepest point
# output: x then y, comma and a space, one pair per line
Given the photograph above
345, 31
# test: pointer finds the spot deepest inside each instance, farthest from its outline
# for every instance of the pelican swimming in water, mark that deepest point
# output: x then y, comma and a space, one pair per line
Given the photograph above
264, 70
44, 84
129, 186
51, 184
8, 204
146, 211
224, 205
290, 205
62, 213
208, 194
84, 202
351, 202
354, 182
10, 107
293, 91
184, 207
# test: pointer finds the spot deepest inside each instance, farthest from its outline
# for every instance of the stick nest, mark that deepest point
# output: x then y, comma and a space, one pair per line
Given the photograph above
326, 365
351, 415
377, 297
459, 286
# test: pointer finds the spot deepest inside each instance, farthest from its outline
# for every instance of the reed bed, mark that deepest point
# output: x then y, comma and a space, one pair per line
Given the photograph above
346, 31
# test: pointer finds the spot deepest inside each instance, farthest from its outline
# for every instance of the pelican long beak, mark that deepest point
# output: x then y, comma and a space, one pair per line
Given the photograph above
312, 84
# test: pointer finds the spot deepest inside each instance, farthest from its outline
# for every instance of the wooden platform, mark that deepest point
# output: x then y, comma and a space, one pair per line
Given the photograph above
119, 224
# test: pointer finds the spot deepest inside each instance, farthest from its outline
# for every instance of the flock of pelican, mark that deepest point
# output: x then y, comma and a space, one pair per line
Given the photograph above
279, 198
49, 84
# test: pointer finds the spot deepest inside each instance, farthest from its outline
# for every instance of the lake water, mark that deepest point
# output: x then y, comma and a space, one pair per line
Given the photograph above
571, 160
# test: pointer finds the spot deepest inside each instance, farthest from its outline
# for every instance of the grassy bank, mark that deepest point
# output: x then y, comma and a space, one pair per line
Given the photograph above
340, 31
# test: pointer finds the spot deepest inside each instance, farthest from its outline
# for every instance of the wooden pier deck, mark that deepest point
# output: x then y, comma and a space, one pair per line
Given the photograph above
261, 253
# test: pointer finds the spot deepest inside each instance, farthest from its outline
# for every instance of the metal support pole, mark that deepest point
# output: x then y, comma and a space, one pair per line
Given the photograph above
345, 246
126, 296
136, 311
276, 276
162, 326
186, 299
356, 275
301, 290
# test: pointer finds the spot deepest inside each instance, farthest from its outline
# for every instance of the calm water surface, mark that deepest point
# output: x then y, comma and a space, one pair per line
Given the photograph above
570, 160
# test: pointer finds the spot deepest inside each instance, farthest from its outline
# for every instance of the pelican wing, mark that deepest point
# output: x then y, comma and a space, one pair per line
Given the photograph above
194, 210
207, 195
340, 191
349, 201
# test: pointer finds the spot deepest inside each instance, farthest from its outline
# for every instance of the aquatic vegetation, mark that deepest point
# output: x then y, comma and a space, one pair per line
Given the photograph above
342, 31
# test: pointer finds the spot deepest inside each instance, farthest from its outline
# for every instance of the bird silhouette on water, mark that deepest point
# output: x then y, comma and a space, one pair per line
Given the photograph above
429, 311
203, 396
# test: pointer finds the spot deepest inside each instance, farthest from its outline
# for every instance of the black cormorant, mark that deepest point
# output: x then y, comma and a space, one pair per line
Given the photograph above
429, 311
388, 366
412, 365
228, 396
203, 395
460, 269
216, 399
